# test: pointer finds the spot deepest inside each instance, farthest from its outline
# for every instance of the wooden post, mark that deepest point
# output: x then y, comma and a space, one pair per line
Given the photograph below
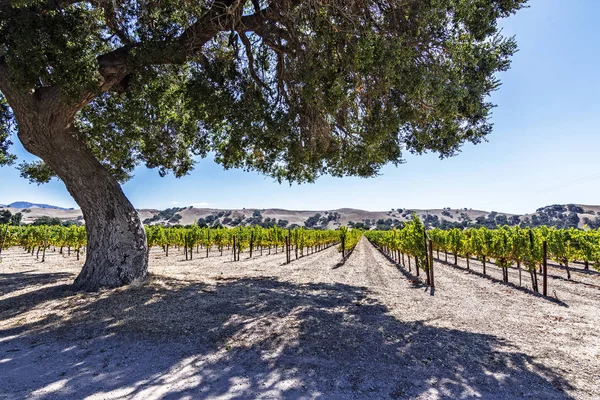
207, 242
234, 259
45, 244
432, 281
426, 257
185, 247
545, 267
483, 263
251, 242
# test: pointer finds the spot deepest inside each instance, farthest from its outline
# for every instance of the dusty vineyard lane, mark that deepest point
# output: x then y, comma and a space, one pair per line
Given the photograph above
258, 328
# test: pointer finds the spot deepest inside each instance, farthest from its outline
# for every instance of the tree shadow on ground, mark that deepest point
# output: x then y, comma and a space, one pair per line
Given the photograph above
14, 281
247, 339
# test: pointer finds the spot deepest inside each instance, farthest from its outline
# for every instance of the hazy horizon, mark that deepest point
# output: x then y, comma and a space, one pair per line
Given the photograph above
205, 206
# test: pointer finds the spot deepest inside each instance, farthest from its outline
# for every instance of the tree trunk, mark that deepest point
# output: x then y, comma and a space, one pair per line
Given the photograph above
567, 268
483, 263
117, 250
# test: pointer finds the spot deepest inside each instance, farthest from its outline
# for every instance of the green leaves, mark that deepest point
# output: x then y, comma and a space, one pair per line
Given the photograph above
150, 124
36, 171
295, 90
53, 47
6, 121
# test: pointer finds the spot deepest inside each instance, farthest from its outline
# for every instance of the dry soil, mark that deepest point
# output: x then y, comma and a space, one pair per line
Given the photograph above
316, 328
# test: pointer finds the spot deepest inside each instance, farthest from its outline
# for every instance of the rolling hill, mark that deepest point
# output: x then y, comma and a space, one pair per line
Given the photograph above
571, 215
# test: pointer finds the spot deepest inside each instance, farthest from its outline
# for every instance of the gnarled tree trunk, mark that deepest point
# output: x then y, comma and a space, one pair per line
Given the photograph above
116, 250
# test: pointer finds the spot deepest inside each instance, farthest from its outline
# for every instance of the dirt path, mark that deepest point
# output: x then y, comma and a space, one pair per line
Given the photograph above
315, 328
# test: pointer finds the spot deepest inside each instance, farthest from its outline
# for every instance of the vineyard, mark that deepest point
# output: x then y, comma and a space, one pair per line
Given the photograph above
526, 249
296, 243
413, 246
301, 300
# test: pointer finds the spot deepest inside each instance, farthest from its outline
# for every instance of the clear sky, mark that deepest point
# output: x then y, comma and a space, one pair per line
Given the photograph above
545, 148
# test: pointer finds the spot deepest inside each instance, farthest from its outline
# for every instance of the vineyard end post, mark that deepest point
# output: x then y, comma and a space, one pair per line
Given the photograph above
545, 268
432, 281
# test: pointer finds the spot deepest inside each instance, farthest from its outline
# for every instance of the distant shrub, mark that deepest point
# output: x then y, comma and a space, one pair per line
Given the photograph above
45, 220
575, 209
175, 219
5, 216
312, 221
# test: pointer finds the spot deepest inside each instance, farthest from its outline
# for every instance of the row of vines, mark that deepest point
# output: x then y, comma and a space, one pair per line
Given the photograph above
191, 240
527, 249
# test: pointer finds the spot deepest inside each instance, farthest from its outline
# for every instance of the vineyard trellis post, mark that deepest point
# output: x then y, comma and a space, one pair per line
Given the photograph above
207, 242
545, 268
427, 264
431, 280
234, 258
45, 244
185, 246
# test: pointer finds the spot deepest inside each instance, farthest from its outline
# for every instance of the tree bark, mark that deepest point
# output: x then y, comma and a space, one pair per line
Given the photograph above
117, 251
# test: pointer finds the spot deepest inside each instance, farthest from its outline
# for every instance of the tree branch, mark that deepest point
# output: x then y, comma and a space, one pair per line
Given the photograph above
250, 56
225, 15
110, 17
47, 5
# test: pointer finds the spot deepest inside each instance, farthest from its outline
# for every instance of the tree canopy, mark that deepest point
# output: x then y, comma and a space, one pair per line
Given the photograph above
293, 89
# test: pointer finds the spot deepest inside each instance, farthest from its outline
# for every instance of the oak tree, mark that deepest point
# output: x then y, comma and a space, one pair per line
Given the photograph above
291, 88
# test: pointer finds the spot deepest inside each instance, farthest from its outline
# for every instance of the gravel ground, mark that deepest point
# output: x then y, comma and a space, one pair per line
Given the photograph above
316, 328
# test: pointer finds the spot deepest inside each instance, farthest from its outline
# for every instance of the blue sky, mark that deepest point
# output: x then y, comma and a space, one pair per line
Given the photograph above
544, 149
